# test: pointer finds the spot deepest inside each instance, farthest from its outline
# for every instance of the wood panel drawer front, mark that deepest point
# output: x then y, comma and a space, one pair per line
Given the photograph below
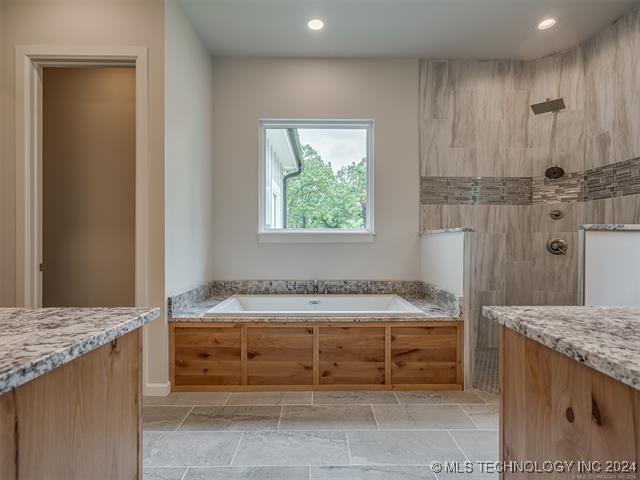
207, 356
351, 355
424, 355
279, 356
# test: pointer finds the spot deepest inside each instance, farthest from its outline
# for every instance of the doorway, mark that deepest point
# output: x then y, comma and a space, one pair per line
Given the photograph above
88, 186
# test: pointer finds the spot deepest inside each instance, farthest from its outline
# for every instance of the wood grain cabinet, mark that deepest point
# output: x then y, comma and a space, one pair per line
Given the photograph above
320, 356
555, 408
80, 421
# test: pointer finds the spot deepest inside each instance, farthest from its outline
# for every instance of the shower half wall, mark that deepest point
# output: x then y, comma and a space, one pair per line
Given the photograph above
483, 155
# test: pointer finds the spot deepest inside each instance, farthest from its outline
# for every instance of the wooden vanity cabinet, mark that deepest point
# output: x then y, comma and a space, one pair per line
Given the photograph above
79, 421
316, 356
555, 408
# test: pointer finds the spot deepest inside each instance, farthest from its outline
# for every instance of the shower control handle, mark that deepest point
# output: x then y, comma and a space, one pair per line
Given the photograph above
557, 246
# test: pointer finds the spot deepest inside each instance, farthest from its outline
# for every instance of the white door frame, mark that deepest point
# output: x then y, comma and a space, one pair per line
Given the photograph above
28, 96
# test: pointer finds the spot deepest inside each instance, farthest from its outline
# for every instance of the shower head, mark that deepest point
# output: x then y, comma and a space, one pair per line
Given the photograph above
548, 106
554, 172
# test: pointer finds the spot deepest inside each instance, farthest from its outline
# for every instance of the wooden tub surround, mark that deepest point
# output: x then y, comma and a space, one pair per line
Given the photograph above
250, 356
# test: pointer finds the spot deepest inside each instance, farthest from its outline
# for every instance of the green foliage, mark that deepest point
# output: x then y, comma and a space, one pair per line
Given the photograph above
320, 198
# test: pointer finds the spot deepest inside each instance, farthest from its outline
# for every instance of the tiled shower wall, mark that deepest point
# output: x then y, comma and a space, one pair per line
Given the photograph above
475, 121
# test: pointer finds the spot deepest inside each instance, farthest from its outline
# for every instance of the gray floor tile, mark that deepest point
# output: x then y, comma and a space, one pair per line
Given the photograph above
188, 398
478, 445
163, 417
327, 417
248, 473
364, 397
192, 448
402, 447
421, 417
371, 473
270, 398
149, 438
484, 416
163, 473
235, 418
434, 398
292, 448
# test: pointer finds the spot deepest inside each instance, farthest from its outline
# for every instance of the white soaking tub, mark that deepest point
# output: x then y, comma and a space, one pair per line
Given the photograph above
314, 306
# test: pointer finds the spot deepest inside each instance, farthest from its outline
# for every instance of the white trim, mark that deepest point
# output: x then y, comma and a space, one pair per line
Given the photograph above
266, 235
28, 110
156, 389
315, 236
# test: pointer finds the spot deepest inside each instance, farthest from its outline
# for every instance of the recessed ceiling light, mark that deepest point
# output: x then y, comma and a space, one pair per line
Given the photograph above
315, 24
547, 23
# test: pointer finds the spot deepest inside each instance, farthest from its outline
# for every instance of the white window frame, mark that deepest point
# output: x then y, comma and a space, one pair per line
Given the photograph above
319, 235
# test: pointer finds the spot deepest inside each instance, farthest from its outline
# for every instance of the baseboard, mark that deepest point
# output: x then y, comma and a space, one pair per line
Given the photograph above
156, 389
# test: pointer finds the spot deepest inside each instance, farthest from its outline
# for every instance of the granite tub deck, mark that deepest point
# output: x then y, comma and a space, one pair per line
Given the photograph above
435, 302
36, 341
196, 313
606, 339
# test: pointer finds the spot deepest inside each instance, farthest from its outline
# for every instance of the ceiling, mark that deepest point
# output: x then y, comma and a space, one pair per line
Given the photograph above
391, 28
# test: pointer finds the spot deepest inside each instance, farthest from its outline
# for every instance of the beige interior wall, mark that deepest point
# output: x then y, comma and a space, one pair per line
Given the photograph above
88, 170
7, 177
188, 155
246, 90
87, 23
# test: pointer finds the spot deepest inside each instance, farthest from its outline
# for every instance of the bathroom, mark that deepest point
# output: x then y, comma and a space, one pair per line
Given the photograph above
481, 176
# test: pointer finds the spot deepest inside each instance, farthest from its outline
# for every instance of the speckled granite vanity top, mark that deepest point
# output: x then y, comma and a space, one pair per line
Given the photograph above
606, 339
196, 312
37, 340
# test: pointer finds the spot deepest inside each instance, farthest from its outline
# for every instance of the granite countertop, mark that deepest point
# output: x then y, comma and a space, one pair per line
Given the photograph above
609, 226
37, 340
606, 339
196, 313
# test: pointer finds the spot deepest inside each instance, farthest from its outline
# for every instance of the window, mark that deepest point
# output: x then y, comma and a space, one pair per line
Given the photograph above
316, 181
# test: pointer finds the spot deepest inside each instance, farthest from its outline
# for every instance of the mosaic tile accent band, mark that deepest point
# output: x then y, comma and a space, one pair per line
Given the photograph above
476, 190
615, 180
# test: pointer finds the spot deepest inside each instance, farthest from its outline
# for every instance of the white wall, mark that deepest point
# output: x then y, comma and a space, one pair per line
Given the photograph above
442, 260
188, 155
102, 23
245, 90
612, 267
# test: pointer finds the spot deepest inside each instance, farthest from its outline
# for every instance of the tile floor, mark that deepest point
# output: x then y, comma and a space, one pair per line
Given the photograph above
317, 436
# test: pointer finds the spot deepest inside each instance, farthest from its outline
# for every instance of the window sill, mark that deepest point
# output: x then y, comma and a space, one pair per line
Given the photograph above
322, 236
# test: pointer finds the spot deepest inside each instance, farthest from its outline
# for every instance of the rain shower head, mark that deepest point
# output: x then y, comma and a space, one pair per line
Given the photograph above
548, 106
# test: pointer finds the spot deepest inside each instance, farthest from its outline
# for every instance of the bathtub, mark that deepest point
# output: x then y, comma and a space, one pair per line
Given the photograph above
314, 306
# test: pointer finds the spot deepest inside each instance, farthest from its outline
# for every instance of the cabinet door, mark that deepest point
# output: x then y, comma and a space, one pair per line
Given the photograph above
554, 408
351, 355
424, 355
279, 355
207, 356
